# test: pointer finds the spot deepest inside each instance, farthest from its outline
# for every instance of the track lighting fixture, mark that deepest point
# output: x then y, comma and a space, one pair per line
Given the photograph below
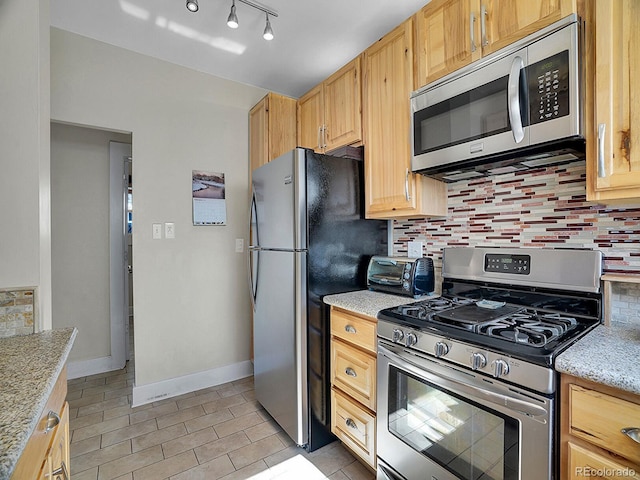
232, 19
268, 31
192, 5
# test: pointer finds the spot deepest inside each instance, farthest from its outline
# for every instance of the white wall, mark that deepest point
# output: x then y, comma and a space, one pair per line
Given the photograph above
191, 309
80, 236
25, 248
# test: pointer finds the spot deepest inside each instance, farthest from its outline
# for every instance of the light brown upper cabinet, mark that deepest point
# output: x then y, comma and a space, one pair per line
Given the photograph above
454, 33
613, 119
391, 190
272, 129
330, 114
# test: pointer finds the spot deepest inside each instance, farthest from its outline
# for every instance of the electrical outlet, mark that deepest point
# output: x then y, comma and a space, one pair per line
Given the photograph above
157, 231
414, 249
169, 230
239, 245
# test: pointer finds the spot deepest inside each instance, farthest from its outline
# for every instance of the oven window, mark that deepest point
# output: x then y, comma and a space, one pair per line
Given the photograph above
471, 441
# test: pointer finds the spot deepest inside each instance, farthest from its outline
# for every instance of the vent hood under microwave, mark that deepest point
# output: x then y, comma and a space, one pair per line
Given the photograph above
517, 109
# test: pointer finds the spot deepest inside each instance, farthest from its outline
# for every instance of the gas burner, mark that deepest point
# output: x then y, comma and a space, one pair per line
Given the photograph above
529, 327
424, 309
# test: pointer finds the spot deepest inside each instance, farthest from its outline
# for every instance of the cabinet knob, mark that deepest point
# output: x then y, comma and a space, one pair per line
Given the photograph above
53, 419
351, 424
61, 473
632, 432
350, 329
351, 372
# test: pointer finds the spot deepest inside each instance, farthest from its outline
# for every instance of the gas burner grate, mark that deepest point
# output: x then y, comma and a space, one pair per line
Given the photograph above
529, 327
424, 309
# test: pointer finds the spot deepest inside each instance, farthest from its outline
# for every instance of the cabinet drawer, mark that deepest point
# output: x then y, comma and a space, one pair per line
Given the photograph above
33, 457
585, 463
354, 329
354, 372
354, 426
598, 418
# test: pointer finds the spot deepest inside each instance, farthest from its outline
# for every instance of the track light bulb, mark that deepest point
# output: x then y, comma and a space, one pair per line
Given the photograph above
232, 20
192, 5
268, 31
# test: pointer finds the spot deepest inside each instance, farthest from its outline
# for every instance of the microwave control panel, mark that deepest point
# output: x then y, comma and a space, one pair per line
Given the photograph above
549, 88
506, 263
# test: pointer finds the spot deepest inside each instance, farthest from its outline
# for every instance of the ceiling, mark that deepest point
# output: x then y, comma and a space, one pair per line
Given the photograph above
313, 38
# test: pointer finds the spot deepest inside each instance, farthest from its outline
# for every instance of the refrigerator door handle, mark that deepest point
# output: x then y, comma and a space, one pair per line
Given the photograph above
253, 249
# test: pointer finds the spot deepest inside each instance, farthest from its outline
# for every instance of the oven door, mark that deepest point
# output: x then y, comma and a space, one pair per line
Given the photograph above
439, 422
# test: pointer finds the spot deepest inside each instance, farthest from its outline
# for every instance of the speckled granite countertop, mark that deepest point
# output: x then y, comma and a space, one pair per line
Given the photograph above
366, 302
606, 355
29, 368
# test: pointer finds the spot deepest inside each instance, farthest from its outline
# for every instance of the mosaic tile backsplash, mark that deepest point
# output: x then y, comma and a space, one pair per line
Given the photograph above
541, 208
16, 312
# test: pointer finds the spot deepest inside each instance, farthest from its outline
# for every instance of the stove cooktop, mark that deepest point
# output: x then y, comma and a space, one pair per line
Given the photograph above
520, 331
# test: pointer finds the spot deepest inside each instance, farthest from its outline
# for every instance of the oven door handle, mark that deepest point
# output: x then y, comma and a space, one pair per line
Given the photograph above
419, 367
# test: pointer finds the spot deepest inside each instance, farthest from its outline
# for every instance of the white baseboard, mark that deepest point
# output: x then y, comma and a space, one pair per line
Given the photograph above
173, 387
84, 368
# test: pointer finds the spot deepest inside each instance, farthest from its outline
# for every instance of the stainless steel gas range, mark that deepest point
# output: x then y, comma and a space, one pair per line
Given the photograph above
466, 386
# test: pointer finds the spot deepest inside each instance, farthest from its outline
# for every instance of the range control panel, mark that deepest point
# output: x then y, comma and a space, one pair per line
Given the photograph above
506, 263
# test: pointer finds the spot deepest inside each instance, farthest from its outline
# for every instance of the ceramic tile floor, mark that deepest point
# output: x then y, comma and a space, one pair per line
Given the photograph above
219, 432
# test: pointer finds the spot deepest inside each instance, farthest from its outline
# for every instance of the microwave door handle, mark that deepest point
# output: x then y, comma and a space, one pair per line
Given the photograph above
514, 99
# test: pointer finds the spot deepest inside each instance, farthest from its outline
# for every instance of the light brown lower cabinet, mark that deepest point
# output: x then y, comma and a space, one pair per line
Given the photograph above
353, 382
46, 455
593, 420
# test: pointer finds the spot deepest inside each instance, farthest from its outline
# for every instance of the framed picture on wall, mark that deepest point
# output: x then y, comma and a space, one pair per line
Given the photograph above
209, 203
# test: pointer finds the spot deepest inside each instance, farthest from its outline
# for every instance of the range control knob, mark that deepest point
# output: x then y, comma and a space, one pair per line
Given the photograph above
500, 368
478, 360
398, 335
441, 349
410, 339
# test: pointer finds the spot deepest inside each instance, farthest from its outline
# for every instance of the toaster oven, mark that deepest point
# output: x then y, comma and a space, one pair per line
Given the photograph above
401, 275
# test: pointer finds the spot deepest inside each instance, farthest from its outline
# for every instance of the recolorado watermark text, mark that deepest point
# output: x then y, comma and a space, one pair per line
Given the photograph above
604, 472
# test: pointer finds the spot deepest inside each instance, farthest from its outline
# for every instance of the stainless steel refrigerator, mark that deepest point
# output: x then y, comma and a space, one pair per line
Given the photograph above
309, 238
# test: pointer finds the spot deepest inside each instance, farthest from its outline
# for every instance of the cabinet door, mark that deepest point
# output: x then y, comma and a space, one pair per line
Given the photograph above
584, 463
258, 139
613, 142
281, 113
343, 107
448, 37
311, 119
506, 21
391, 190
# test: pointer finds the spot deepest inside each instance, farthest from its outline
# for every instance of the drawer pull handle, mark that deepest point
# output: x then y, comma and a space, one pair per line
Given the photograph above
53, 419
350, 371
61, 473
632, 432
350, 329
351, 424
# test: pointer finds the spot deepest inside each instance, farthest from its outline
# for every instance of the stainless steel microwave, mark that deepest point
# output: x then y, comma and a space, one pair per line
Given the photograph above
516, 109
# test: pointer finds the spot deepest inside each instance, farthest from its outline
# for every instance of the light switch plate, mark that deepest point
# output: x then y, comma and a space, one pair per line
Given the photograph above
414, 249
169, 230
157, 231
239, 245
